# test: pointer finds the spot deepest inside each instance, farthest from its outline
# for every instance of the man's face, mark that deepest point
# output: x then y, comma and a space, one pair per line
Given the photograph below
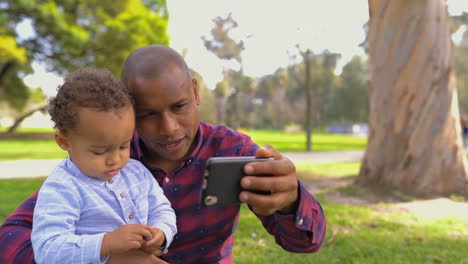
100, 143
166, 115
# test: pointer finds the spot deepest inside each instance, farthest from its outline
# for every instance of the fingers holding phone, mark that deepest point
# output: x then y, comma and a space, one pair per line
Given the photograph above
282, 184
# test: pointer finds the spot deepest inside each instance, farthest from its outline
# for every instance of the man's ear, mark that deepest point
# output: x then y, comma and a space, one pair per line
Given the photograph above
195, 90
62, 140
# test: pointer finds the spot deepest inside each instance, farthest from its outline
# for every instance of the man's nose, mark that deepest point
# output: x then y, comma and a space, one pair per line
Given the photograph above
169, 124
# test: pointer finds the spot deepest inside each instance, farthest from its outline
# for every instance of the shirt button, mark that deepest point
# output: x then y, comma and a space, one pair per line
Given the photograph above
301, 221
130, 217
122, 195
167, 179
110, 181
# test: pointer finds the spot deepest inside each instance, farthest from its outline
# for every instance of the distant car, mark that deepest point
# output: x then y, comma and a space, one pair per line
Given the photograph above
358, 129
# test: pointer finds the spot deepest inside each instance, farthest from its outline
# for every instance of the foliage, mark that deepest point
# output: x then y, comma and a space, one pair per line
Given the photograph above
220, 43
70, 34
461, 62
207, 107
351, 96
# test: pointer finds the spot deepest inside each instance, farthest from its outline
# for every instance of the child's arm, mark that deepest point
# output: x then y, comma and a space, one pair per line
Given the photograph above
160, 214
55, 215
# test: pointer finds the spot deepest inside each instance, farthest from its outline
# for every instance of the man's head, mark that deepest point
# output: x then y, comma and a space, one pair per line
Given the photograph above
94, 118
166, 103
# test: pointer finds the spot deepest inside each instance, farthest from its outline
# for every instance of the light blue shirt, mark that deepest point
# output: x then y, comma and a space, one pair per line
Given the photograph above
73, 211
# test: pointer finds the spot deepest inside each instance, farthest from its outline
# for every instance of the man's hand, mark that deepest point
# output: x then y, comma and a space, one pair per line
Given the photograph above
134, 256
153, 246
125, 238
282, 184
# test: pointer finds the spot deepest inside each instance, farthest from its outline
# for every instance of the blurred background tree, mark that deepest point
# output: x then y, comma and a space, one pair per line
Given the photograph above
66, 35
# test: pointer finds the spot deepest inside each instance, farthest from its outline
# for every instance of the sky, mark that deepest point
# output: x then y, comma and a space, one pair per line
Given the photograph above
270, 30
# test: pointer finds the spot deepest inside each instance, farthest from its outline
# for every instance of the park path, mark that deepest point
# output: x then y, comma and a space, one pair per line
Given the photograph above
41, 168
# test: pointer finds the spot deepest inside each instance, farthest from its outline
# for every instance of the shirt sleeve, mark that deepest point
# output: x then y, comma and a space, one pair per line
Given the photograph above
160, 213
301, 232
15, 234
53, 236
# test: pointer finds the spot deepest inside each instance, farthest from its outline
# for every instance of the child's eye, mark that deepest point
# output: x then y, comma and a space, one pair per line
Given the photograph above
124, 147
97, 153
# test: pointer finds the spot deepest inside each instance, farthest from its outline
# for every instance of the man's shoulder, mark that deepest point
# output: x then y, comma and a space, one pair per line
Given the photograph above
220, 140
220, 131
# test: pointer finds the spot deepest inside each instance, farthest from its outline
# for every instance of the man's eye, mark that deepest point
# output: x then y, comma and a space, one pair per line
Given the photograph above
124, 147
179, 106
145, 115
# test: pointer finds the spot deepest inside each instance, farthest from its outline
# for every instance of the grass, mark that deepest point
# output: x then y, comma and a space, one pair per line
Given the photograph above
29, 148
358, 234
29, 130
295, 142
14, 192
21, 149
314, 170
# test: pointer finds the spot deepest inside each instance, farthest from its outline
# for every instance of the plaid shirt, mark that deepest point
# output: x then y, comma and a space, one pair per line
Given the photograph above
205, 235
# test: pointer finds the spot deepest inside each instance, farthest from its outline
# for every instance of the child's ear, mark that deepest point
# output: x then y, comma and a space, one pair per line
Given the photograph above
62, 140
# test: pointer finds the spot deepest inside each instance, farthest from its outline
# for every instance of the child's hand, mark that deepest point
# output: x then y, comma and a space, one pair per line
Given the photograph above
153, 246
125, 238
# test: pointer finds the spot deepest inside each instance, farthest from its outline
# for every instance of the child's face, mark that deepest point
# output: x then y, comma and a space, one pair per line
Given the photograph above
100, 143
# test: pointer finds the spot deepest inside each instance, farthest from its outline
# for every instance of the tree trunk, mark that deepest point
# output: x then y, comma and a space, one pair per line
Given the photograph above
25, 115
415, 141
308, 92
220, 102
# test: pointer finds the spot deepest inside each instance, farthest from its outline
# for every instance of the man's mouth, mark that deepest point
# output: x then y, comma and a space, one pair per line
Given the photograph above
172, 145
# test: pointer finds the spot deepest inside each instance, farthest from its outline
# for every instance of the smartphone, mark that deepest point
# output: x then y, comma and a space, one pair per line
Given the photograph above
221, 181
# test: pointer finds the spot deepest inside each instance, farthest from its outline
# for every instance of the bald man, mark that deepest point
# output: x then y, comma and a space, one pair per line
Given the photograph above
174, 145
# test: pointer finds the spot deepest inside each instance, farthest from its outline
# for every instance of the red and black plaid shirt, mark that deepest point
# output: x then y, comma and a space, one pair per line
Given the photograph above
205, 235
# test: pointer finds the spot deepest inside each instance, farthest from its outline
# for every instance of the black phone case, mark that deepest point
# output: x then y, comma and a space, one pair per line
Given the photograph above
222, 176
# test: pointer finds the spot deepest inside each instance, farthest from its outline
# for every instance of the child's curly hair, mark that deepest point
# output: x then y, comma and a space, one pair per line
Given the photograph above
90, 88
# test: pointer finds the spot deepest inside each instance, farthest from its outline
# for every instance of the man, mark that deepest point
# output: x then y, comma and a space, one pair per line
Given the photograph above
174, 145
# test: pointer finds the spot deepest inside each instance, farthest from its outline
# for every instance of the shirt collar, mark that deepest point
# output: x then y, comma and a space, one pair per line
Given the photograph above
76, 172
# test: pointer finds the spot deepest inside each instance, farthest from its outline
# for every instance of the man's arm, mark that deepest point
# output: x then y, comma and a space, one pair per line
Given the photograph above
290, 213
15, 234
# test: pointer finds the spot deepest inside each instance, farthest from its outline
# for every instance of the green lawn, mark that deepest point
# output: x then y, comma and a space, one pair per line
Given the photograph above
18, 149
355, 233
14, 192
295, 142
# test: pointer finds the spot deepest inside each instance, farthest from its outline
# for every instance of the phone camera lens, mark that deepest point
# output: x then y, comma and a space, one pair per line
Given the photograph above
211, 200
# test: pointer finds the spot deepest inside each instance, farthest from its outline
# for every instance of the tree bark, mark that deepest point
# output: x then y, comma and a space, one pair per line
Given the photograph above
306, 55
415, 141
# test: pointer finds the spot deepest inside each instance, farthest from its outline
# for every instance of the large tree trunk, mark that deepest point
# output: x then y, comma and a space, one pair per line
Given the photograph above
415, 141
